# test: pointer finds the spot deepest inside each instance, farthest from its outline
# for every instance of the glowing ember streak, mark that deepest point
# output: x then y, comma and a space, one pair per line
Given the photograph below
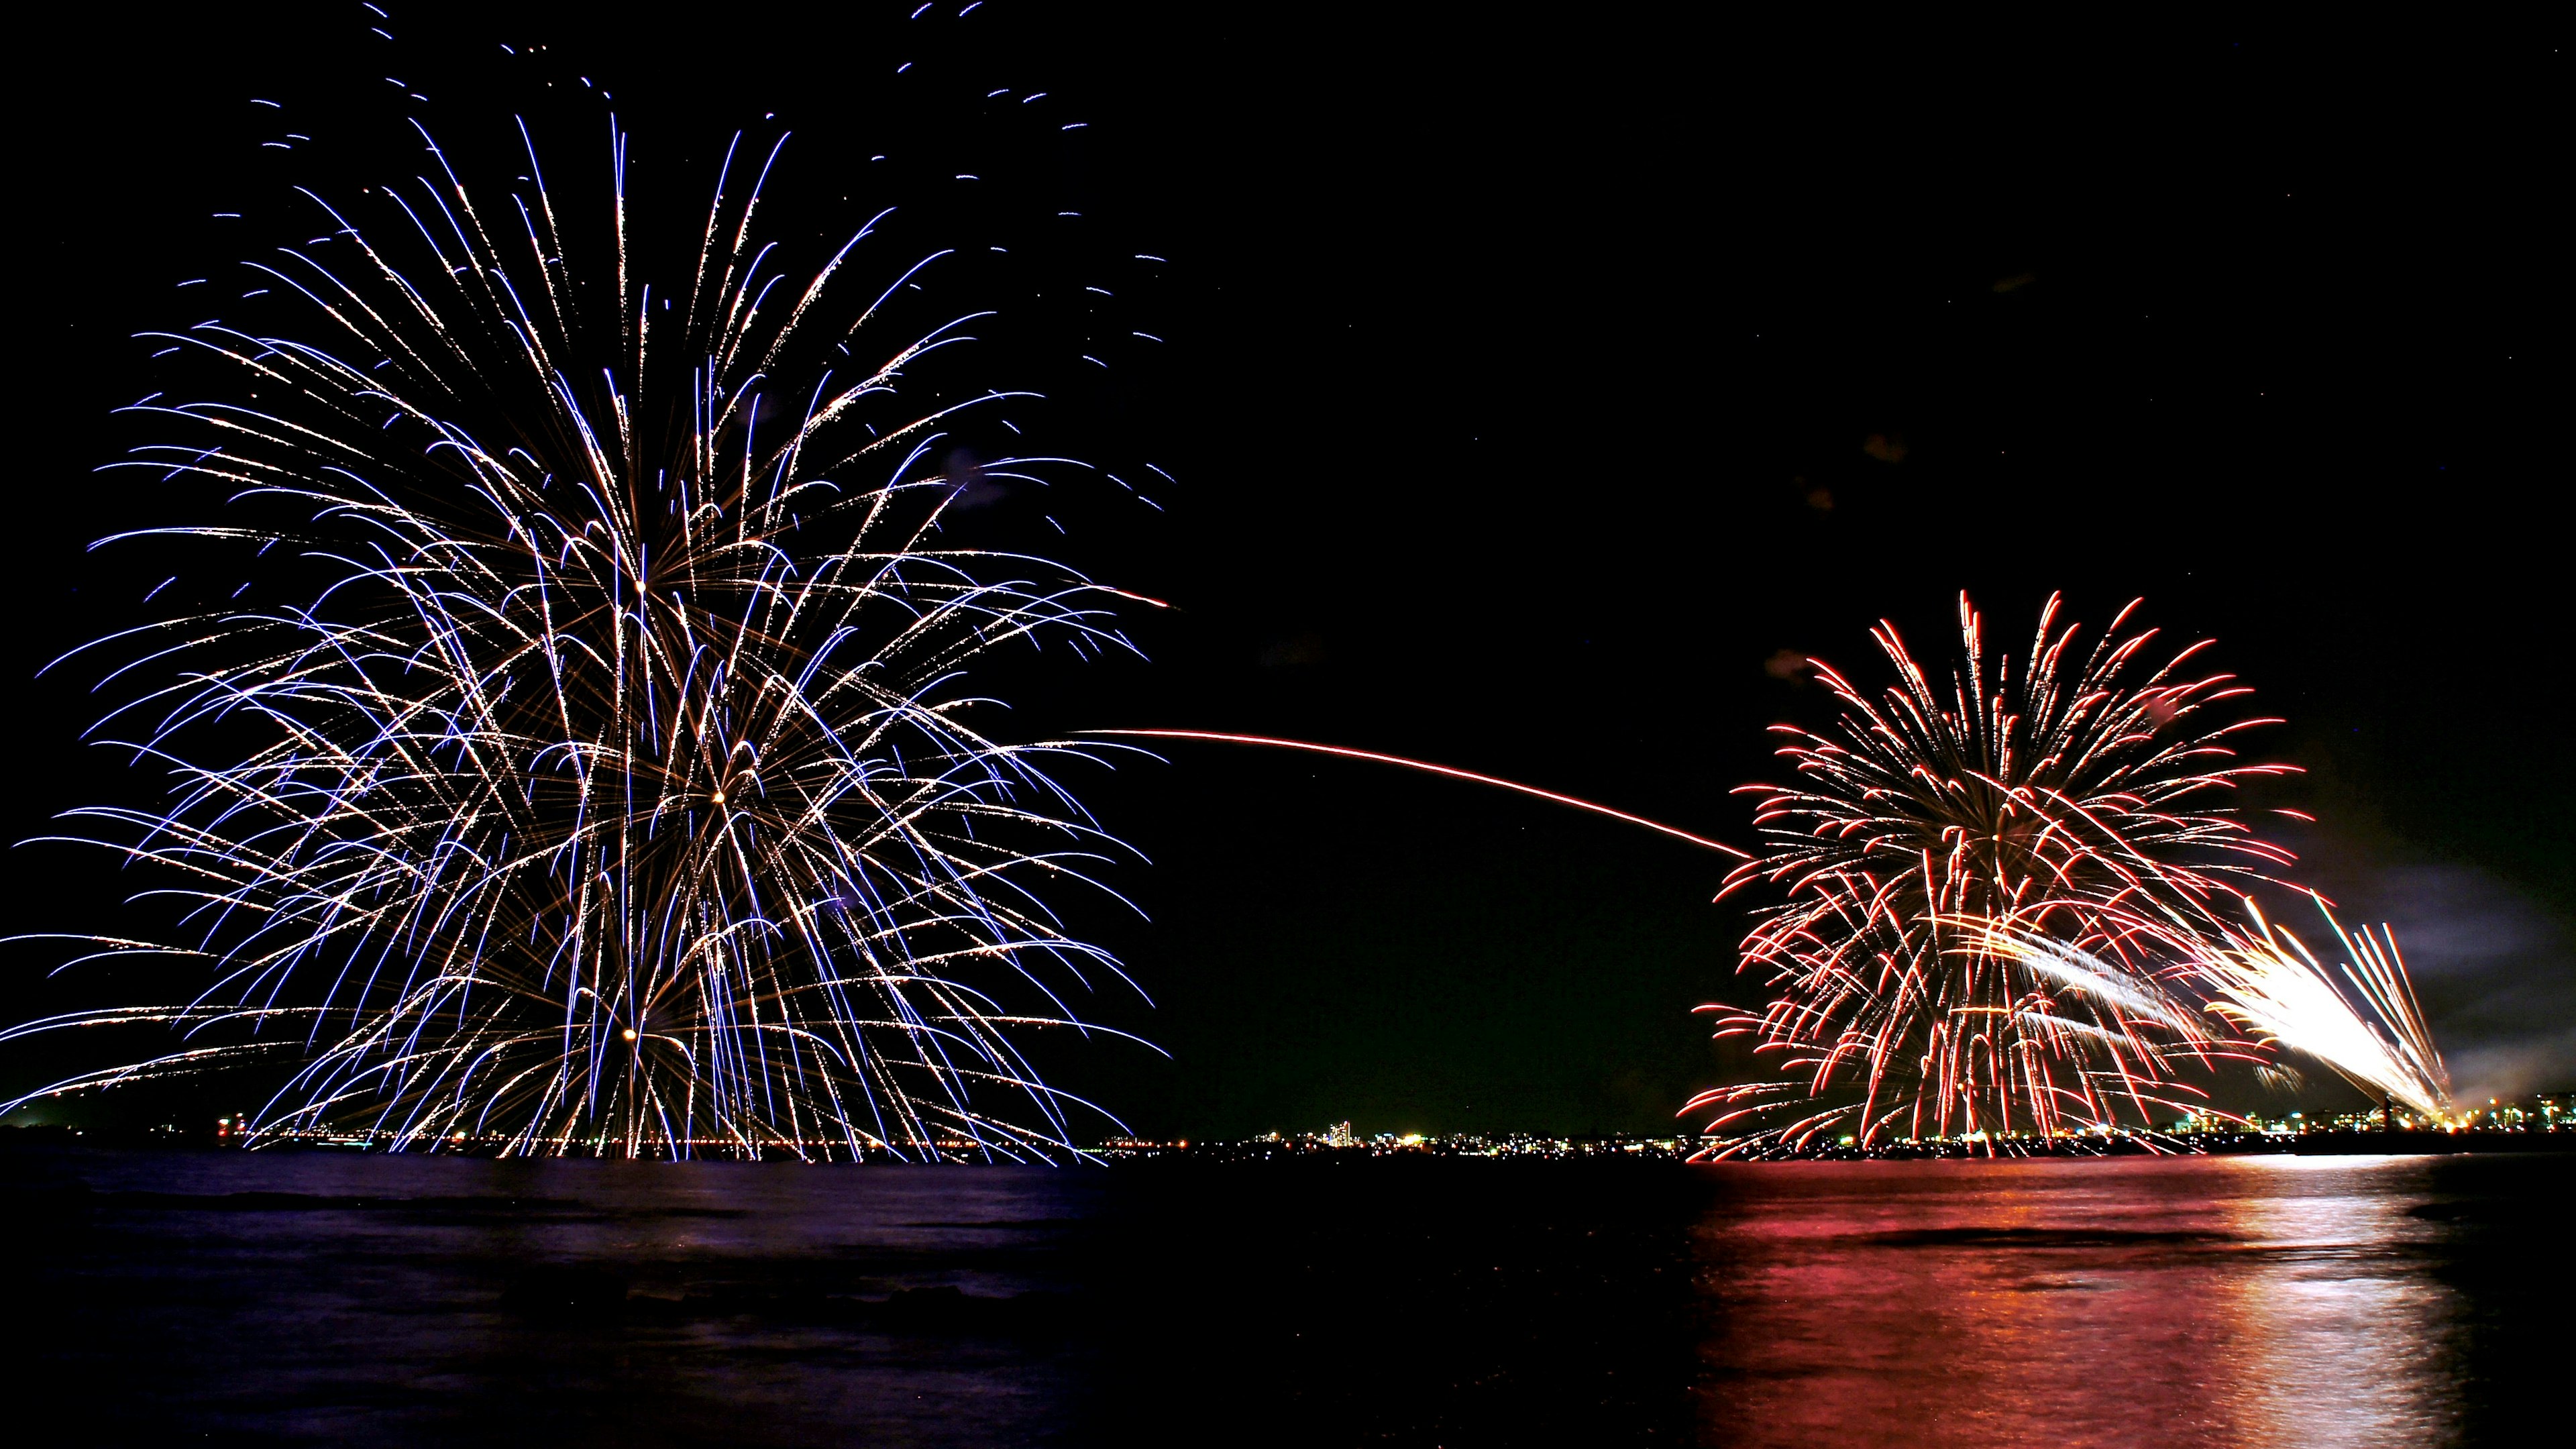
591, 770
1428, 768
1995, 893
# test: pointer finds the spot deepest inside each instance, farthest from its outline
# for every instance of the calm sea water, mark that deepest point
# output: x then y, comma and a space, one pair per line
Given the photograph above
274, 1298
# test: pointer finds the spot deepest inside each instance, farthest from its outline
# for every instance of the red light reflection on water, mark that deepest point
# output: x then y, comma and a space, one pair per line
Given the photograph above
2241, 1301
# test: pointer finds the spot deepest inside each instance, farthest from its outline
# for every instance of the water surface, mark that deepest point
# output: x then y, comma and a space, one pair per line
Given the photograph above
2292, 1301
312, 1298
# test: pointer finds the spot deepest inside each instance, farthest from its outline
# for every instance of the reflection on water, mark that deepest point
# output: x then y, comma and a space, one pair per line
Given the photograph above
343, 1299
2249, 1301
2211, 1301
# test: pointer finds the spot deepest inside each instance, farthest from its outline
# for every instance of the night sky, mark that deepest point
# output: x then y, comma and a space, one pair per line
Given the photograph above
1528, 387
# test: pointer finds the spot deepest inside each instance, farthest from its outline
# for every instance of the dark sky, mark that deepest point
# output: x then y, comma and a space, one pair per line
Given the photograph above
1528, 386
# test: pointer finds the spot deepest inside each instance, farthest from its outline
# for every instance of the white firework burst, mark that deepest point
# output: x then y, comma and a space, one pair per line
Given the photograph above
596, 769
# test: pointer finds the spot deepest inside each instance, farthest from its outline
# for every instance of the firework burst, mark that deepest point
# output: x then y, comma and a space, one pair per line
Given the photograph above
1996, 888
602, 775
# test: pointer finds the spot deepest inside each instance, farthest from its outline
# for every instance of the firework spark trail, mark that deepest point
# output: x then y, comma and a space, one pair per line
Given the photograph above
1427, 767
2264, 979
1995, 894
609, 784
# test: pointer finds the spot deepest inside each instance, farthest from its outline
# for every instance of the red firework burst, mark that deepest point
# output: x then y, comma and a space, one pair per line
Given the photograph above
1994, 891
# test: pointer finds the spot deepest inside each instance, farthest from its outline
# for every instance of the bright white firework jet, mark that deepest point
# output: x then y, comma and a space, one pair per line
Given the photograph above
2268, 983
602, 776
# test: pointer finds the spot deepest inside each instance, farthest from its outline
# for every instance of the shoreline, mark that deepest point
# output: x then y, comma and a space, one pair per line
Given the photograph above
1561, 1150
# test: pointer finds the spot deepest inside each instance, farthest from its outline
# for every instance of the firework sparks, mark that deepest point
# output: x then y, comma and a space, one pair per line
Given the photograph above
1995, 893
2266, 981
600, 775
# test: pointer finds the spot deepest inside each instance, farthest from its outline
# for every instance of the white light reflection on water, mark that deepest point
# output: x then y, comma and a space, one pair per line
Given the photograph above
2346, 1339
2230, 1301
